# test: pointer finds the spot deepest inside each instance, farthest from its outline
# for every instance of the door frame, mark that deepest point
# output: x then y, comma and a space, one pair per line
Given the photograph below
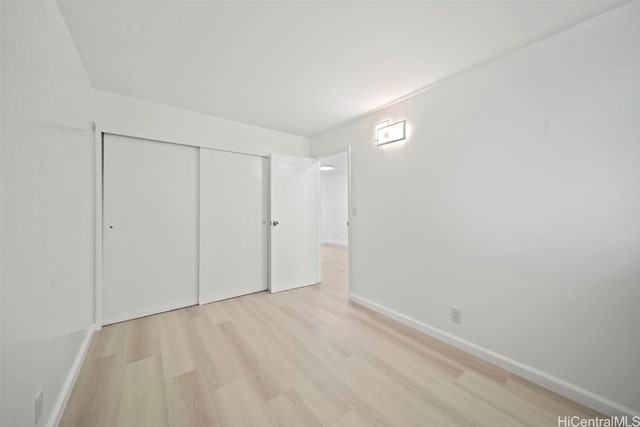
99, 131
349, 216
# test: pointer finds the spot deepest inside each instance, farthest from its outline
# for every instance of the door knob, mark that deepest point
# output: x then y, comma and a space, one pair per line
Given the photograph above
275, 223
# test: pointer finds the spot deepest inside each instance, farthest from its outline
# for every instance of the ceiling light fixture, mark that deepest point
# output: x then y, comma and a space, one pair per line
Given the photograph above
326, 168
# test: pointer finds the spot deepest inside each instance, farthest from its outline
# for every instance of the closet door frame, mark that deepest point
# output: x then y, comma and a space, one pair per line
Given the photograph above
99, 132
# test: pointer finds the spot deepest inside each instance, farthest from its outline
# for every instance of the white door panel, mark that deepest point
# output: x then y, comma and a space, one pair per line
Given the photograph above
150, 227
233, 225
294, 208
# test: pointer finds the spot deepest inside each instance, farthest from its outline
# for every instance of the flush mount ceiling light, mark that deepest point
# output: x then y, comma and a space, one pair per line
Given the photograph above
326, 168
391, 133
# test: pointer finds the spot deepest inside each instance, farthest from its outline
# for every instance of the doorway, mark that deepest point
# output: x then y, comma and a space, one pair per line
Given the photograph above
334, 221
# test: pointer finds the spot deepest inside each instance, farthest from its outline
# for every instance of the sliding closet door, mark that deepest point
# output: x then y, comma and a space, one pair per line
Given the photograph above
150, 227
233, 225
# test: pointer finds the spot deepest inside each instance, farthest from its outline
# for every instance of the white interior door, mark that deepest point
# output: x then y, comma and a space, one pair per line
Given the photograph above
233, 225
294, 222
150, 227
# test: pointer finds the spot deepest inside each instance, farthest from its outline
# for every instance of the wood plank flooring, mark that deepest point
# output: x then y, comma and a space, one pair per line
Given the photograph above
306, 357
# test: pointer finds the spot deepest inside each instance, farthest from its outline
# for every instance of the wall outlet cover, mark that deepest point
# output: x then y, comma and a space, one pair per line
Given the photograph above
456, 315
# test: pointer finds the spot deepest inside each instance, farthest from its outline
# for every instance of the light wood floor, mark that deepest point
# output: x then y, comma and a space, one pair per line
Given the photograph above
306, 357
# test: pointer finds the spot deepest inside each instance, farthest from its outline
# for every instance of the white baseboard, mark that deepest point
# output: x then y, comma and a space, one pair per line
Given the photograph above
70, 381
563, 388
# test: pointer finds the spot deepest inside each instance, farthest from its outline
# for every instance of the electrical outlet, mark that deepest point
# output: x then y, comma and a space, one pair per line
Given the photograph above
456, 315
39, 405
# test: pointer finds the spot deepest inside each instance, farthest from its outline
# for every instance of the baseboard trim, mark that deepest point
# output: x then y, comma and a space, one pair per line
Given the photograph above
563, 388
70, 381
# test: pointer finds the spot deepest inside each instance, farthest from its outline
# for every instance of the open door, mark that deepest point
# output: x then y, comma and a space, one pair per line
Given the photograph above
294, 222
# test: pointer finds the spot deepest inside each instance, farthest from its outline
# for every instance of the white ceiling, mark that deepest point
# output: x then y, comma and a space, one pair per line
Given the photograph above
298, 67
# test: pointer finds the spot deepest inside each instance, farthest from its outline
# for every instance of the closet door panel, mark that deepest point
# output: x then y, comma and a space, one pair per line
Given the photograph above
150, 227
233, 225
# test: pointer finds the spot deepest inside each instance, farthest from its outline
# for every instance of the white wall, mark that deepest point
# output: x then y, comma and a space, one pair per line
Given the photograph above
516, 199
140, 118
333, 207
47, 207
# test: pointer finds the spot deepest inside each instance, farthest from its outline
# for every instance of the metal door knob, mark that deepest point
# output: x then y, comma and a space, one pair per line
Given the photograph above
275, 223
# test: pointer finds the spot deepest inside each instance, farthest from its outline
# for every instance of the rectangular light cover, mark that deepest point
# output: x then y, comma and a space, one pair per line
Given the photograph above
378, 126
391, 133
